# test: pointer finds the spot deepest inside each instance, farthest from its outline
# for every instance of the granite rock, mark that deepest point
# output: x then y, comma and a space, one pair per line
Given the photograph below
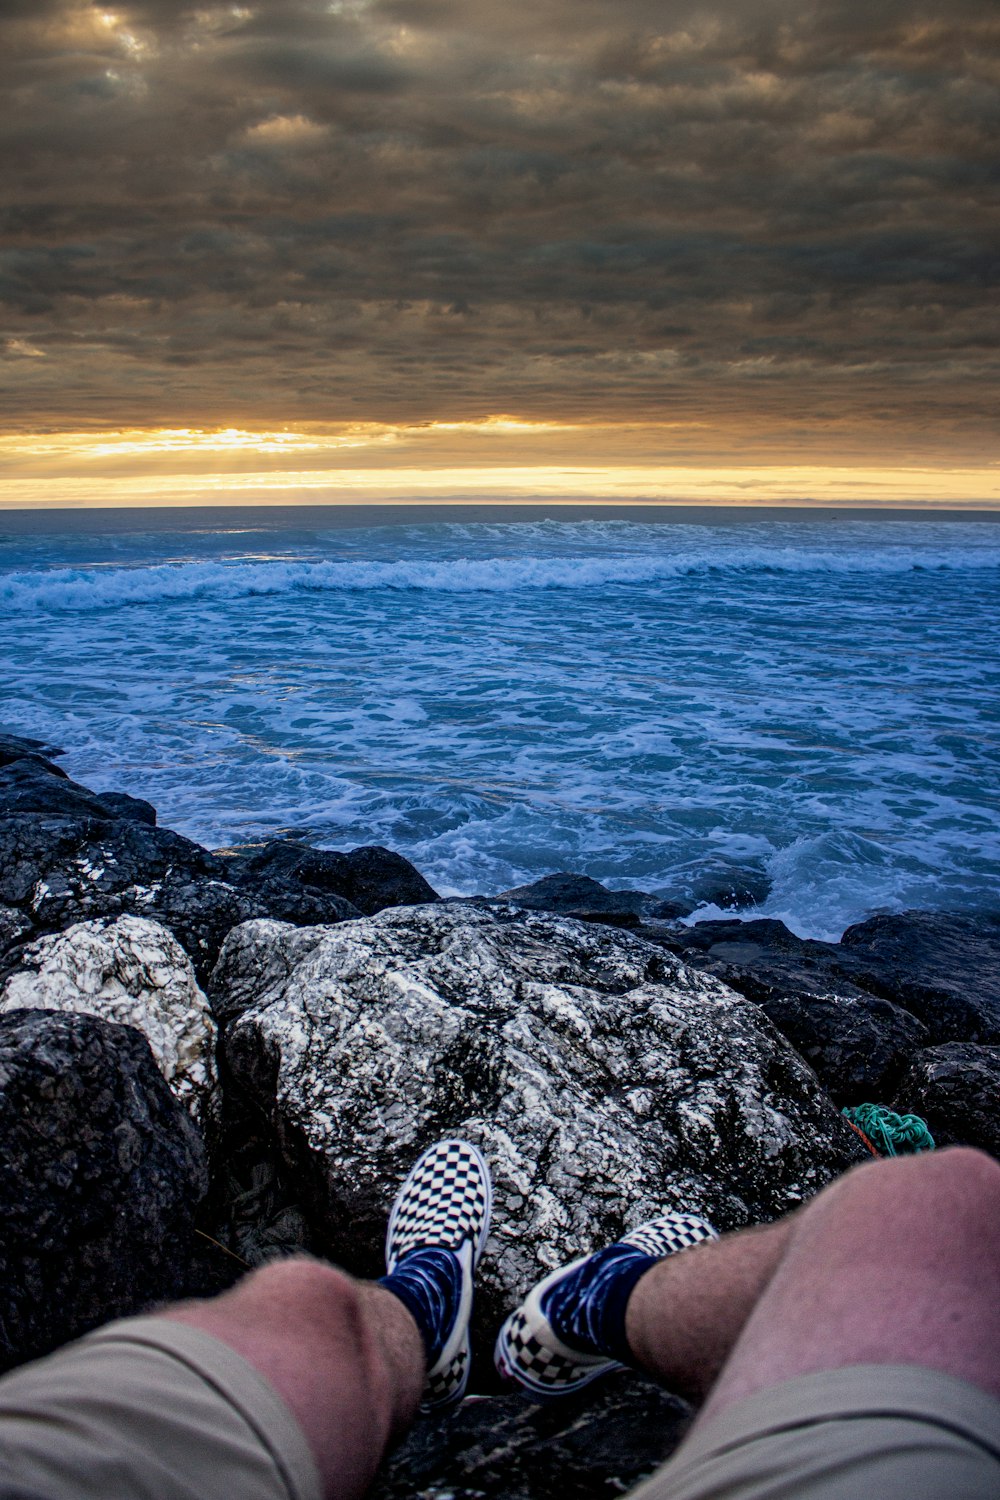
604, 1080
130, 970
14, 927
100, 1176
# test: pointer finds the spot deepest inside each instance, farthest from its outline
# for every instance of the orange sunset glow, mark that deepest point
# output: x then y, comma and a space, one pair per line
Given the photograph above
730, 253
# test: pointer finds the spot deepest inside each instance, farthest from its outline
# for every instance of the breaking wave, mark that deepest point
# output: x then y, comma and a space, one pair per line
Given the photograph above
88, 589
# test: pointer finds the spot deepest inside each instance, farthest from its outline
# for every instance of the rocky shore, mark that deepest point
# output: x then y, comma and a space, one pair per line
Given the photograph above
207, 1059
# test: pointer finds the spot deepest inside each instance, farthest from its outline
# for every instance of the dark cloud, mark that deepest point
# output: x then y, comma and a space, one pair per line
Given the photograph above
717, 210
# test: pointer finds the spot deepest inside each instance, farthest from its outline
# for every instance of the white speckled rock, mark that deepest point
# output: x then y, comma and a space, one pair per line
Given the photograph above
604, 1079
133, 971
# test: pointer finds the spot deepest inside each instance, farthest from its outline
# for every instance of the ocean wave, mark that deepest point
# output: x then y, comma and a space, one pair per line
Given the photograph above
82, 589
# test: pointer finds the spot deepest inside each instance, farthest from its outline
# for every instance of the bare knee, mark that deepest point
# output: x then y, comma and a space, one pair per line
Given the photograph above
309, 1299
941, 1194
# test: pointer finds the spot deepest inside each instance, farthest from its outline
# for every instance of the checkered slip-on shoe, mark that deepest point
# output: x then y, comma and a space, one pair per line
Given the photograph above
445, 1203
530, 1352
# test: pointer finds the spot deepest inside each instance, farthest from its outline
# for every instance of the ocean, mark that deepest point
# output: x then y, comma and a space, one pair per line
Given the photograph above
800, 706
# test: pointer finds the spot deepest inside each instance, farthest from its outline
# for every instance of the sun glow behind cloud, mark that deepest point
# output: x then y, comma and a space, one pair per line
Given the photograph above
495, 459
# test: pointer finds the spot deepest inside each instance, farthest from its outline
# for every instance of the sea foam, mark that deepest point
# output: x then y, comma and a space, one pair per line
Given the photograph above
72, 589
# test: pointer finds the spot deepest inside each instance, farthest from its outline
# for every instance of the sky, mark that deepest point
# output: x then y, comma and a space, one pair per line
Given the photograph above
385, 249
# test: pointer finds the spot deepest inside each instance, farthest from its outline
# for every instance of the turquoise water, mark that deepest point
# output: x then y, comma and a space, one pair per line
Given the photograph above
815, 701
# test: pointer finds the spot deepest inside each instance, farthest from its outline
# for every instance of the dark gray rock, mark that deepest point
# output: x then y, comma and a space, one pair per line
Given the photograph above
14, 927
363, 881
133, 809
17, 746
604, 1080
857, 1045
32, 785
100, 1176
59, 871
580, 897
942, 966
956, 1089
599, 1443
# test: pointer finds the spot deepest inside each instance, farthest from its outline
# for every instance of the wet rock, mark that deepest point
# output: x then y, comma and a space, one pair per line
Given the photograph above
580, 897
336, 885
132, 971
32, 785
956, 1089
942, 966
16, 747
59, 871
133, 809
604, 1080
599, 1443
729, 884
100, 1176
857, 1045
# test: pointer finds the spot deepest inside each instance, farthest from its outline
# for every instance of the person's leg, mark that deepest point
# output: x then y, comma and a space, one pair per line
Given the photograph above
352, 1360
288, 1387
346, 1357
687, 1312
897, 1263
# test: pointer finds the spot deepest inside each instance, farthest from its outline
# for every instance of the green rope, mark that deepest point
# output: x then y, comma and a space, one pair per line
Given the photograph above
893, 1134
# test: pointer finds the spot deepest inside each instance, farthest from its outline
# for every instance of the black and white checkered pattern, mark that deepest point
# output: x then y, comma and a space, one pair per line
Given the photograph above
445, 1203
541, 1362
528, 1350
666, 1236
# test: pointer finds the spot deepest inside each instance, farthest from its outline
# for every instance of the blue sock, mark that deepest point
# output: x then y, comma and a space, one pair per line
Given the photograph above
429, 1284
587, 1308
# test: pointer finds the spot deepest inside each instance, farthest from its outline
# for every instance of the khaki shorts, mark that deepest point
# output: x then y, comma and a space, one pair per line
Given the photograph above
152, 1410
146, 1409
868, 1432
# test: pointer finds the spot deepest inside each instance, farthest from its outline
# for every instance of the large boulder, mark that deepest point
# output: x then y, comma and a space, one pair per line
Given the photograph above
956, 1089
134, 971
605, 1080
857, 1045
100, 1176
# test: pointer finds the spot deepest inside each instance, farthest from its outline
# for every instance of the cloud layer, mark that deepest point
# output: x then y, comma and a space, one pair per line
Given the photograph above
779, 219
